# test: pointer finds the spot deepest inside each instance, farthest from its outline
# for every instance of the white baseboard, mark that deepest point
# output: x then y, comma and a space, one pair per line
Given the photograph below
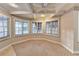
67, 48
75, 52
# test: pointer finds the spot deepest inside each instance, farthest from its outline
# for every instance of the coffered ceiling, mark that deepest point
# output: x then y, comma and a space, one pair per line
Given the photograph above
29, 10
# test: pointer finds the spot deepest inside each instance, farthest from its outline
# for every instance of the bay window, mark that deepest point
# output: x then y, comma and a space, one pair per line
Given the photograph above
52, 27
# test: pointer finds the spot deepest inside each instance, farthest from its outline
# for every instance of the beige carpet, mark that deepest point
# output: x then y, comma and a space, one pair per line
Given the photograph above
40, 48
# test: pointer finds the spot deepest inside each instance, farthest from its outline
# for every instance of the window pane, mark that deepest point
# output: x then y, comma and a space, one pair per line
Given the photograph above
48, 27
5, 23
34, 27
5, 29
39, 27
1, 29
1, 18
17, 23
52, 27
25, 24
25, 28
18, 27
1, 23
5, 33
25, 32
19, 32
56, 27
3, 26
16, 32
1, 34
21, 27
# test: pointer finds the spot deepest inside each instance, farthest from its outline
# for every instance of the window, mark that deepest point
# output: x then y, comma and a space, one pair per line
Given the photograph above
18, 28
52, 27
55, 27
48, 27
36, 27
25, 28
39, 27
21, 27
3, 26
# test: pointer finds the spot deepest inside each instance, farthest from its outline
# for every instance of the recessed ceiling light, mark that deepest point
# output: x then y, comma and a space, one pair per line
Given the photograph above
51, 15
13, 5
42, 15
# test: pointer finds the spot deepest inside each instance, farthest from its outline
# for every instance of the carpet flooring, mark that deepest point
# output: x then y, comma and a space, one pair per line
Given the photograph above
40, 48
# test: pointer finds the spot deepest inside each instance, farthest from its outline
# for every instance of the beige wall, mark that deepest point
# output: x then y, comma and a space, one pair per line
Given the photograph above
67, 30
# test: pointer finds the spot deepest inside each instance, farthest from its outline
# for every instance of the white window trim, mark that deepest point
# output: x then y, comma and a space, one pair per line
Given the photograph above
22, 21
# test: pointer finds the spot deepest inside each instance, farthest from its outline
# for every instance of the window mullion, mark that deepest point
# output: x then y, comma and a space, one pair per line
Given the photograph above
37, 27
3, 26
22, 28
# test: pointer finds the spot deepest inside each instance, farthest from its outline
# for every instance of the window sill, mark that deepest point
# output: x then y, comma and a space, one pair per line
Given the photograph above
21, 35
57, 36
4, 38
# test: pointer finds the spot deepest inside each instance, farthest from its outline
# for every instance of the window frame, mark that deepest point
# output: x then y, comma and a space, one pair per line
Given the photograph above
8, 33
58, 29
37, 31
27, 26
18, 27
22, 21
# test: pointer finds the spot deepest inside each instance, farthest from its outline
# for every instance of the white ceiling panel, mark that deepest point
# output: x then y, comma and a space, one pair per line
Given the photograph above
28, 9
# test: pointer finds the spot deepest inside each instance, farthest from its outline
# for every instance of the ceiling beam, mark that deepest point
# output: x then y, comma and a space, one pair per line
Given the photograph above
22, 17
3, 10
58, 8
